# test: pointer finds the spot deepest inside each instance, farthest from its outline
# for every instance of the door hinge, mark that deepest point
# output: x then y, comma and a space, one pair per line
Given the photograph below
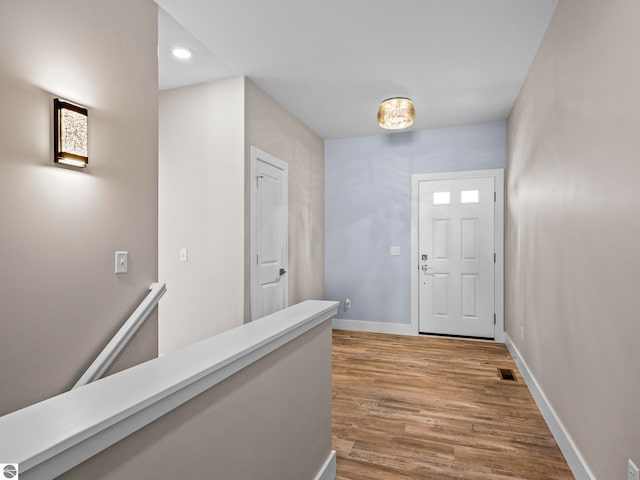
257, 261
495, 197
494, 318
494, 258
258, 178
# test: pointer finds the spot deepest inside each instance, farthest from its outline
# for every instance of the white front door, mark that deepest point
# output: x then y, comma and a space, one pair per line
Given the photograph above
269, 233
456, 257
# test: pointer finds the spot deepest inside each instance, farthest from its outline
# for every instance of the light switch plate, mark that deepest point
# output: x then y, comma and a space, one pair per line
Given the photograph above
122, 262
184, 254
394, 250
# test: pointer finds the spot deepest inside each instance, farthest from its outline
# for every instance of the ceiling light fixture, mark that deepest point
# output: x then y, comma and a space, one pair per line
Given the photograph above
396, 113
182, 53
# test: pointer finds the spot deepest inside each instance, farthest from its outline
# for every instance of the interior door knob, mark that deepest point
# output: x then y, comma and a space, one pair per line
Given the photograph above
282, 271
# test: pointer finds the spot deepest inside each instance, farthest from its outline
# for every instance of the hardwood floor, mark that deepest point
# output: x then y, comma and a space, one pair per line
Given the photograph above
434, 408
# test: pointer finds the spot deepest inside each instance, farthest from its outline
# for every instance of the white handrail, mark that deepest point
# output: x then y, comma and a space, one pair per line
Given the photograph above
104, 360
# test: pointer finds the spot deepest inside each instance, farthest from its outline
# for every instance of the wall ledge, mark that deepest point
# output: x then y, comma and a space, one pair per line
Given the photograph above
53, 436
576, 461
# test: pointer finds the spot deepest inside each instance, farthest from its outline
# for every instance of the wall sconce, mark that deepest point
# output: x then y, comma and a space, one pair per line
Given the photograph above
70, 124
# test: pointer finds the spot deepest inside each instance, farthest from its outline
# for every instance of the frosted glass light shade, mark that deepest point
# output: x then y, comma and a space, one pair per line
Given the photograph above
396, 113
70, 125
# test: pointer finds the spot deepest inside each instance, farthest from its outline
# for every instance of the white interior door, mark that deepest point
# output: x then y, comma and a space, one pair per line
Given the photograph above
269, 234
456, 257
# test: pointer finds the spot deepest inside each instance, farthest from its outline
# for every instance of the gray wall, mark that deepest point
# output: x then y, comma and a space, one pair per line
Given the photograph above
368, 209
573, 223
60, 301
201, 208
271, 420
206, 132
274, 130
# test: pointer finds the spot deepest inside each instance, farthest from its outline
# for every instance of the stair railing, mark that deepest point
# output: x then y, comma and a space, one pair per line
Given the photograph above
104, 360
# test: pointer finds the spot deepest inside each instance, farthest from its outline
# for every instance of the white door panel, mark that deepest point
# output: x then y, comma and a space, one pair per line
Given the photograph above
456, 248
269, 233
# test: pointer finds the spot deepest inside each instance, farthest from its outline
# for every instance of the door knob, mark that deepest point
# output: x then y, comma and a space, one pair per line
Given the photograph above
425, 269
282, 271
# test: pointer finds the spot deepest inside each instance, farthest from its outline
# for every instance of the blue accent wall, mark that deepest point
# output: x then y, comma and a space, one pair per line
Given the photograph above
368, 209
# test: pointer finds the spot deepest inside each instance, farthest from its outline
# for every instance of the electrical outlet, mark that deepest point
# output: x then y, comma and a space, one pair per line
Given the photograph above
634, 473
347, 303
394, 250
522, 332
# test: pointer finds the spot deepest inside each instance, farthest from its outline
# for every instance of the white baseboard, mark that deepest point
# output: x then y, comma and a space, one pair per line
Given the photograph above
374, 327
328, 470
574, 458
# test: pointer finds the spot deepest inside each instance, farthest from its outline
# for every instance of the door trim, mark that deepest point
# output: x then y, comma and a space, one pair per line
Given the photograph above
498, 176
256, 154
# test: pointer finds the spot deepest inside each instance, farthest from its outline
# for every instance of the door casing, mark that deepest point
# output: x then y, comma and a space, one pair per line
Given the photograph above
498, 175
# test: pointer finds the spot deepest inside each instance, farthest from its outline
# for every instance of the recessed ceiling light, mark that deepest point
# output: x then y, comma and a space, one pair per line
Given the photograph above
182, 53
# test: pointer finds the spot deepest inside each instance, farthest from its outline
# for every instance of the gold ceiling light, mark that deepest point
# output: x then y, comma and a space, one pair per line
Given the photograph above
396, 113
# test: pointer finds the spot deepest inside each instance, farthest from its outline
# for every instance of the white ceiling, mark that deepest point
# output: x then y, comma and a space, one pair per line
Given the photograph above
331, 62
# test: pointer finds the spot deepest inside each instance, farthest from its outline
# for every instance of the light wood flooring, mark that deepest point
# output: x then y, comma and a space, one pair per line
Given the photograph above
434, 408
